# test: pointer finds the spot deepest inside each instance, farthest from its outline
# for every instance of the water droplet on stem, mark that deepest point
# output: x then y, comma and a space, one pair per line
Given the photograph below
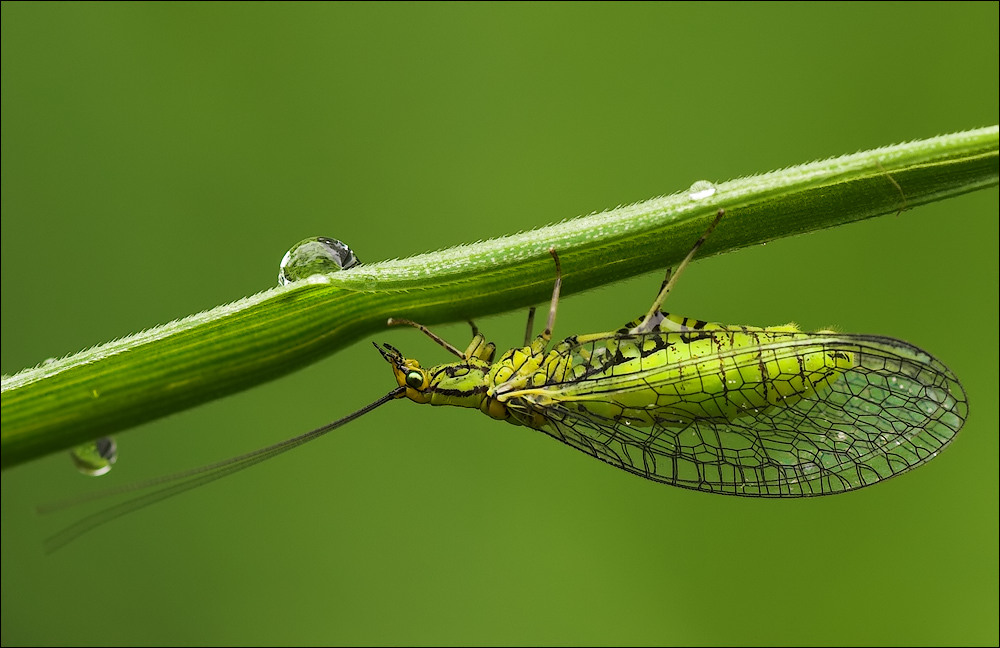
701, 189
96, 457
317, 255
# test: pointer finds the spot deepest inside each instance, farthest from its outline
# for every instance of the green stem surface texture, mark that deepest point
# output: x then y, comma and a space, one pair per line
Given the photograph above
202, 357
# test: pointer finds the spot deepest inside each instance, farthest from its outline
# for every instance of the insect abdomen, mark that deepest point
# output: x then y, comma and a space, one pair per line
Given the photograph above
718, 373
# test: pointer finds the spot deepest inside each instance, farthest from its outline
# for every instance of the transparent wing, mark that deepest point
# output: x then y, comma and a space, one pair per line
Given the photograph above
894, 409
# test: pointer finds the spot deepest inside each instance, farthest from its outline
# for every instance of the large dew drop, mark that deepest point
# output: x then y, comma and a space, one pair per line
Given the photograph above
317, 255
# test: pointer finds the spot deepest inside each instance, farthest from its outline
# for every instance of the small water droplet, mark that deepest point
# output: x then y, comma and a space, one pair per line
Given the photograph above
317, 255
701, 189
96, 457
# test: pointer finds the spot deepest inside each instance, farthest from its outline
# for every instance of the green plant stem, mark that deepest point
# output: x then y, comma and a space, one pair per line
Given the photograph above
202, 357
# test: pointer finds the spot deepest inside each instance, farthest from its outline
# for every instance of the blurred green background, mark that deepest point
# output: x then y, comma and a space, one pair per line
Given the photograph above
158, 159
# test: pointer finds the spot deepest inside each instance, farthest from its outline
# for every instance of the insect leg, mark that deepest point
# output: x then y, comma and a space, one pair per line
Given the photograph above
394, 321
902, 195
547, 333
668, 283
665, 281
530, 327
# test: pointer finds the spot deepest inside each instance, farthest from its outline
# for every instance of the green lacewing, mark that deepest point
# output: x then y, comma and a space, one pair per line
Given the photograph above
735, 410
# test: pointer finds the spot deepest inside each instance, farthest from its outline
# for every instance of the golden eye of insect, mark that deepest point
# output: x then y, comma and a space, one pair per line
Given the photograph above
414, 379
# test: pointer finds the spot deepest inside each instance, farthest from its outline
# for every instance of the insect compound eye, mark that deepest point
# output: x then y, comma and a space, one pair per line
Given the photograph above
414, 379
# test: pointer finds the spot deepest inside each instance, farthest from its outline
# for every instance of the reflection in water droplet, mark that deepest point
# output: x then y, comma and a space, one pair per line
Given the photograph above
701, 189
317, 255
96, 457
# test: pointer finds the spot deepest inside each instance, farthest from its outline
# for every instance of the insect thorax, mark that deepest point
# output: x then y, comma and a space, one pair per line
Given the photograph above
477, 383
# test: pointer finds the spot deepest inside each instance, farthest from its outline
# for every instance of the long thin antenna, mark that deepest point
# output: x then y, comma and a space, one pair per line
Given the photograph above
186, 480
